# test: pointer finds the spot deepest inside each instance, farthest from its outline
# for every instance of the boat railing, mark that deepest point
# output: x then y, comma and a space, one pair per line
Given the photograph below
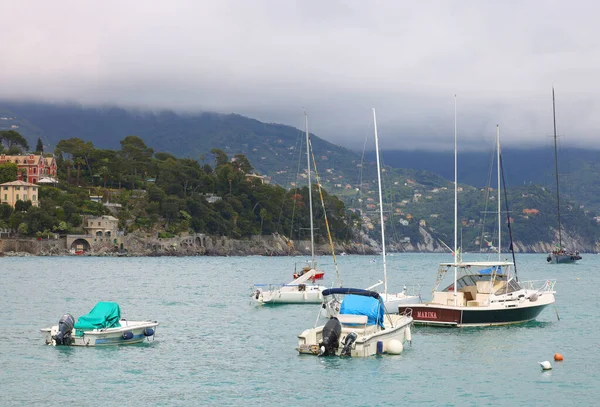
277, 286
539, 285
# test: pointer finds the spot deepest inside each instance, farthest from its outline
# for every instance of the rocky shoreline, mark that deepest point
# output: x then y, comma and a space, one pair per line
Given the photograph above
136, 245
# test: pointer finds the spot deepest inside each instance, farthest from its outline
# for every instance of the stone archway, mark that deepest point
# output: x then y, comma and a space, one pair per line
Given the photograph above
80, 245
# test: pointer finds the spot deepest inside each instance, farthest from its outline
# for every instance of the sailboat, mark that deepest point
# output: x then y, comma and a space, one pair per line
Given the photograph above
482, 293
559, 254
302, 289
390, 300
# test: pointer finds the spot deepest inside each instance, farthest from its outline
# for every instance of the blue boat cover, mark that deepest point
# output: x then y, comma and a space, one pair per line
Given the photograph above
490, 270
103, 315
360, 305
356, 291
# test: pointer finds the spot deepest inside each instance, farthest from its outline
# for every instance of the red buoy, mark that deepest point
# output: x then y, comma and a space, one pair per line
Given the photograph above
558, 357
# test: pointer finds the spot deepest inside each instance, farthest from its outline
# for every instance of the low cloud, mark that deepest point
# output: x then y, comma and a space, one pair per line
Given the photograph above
273, 60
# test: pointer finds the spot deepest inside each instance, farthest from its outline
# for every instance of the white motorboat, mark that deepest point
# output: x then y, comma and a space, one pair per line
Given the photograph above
362, 328
102, 326
483, 293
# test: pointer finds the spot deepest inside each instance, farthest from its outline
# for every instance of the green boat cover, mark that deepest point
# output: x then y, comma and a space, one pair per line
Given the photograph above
103, 315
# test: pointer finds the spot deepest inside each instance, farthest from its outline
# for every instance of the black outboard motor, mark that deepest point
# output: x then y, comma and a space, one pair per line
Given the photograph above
65, 328
350, 339
331, 337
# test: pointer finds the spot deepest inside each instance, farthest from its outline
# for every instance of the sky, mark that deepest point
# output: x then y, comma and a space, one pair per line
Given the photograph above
274, 59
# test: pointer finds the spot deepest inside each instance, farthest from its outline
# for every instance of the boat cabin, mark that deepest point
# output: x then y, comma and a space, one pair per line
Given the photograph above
475, 283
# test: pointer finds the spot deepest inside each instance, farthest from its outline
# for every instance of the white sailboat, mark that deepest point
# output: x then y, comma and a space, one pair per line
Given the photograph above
302, 289
390, 300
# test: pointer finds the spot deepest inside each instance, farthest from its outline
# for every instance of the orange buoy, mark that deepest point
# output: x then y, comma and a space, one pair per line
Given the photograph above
558, 357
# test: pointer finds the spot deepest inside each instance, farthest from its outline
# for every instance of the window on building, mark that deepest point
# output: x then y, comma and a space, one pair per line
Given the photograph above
6, 197
6, 188
33, 198
18, 188
24, 188
17, 197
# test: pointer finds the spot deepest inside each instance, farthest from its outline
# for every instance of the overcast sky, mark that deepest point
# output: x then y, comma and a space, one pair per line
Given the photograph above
272, 60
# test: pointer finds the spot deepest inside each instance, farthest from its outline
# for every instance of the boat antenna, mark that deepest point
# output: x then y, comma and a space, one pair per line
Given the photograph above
511, 247
456, 254
312, 236
380, 206
556, 170
499, 187
318, 179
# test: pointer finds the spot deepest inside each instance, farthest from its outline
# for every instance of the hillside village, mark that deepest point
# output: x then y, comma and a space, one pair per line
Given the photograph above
416, 203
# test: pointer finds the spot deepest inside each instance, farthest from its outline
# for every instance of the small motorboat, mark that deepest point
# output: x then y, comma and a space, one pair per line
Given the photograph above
102, 326
362, 328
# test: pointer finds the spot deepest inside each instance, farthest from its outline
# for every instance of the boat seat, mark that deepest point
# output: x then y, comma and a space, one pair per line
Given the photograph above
470, 292
351, 319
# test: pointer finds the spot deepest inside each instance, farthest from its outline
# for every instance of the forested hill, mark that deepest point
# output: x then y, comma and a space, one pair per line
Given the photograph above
270, 147
275, 149
579, 169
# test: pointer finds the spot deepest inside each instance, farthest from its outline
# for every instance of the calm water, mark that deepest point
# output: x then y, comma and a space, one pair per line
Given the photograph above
215, 347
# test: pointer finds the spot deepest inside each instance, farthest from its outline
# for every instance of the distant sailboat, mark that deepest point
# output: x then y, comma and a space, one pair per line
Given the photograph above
559, 254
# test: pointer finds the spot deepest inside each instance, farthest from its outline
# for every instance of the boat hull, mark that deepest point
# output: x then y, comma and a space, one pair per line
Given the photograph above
440, 315
562, 258
290, 297
366, 342
130, 332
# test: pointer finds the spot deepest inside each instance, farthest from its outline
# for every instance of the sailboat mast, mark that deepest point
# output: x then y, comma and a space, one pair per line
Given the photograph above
499, 187
380, 206
556, 170
455, 206
312, 237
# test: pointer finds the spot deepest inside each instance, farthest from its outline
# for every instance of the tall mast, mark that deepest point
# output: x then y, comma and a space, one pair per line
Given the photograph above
556, 170
499, 187
456, 259
380, 206
312, 237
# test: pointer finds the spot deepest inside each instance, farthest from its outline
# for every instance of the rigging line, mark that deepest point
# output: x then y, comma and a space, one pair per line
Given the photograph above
512, 249
296, 189
288, 181
487, 200
360, 195
318, 179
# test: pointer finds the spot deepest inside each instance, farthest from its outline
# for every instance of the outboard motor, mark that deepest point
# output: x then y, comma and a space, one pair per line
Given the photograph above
350, 339
331, 337
65, 328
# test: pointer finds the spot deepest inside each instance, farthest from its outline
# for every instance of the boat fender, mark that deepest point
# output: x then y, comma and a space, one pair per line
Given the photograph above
148, 332
394, 347
127, 335
533, 297
408, 334
379, 347
350, 339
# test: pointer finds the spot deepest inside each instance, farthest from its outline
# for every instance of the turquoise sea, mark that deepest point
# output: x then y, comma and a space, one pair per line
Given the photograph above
215, 347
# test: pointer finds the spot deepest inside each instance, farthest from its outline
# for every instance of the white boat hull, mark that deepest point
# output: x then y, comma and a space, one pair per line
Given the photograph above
310, 295
139, 330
